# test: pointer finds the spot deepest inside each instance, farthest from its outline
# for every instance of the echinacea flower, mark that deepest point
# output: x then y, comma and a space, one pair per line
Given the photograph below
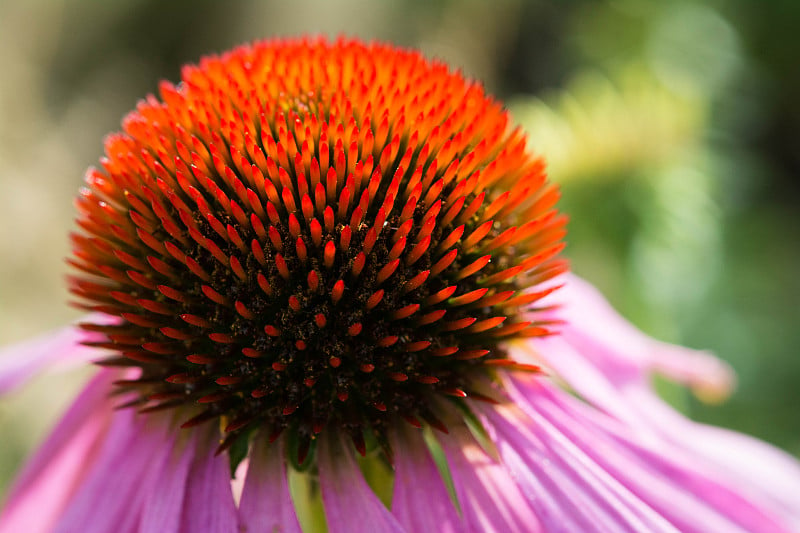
308, 252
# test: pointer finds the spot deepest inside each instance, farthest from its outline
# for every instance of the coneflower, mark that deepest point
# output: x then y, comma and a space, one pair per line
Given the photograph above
308, 250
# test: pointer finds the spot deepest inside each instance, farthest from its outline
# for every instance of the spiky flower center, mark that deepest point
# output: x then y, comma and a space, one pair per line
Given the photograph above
306, 235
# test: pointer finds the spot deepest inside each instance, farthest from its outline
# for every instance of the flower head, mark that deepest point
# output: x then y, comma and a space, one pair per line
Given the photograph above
313, 237
306, 244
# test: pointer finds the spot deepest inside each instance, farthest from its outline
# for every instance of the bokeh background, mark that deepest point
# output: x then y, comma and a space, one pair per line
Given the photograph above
673, 127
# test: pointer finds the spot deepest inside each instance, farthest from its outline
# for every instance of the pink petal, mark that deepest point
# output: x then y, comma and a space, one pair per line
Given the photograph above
58, 467
580, 373
105, 470
568, 490
350, 504
430, 509
208, 504
763, 474
266, 503
666, 479
607, 361
108, 496
489, 498
163, 492
620, 351
20, 362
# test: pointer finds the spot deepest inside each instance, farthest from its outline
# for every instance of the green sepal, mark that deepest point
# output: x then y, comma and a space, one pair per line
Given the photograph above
238, 451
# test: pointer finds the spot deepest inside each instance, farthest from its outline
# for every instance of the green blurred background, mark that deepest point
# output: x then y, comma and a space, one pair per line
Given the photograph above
673, 127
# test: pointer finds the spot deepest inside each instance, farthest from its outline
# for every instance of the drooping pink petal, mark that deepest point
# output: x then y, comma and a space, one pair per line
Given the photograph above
675, 484
765, 475
580, 373
56, 470
108, 495
596, 333
20, 362
106, 470
164, 489
568, 490
266, 503
350, 505
421, 501
594, 330
608, 362
208, 503
489, 498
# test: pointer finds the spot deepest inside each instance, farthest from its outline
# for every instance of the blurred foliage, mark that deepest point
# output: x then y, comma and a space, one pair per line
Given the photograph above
673, 127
